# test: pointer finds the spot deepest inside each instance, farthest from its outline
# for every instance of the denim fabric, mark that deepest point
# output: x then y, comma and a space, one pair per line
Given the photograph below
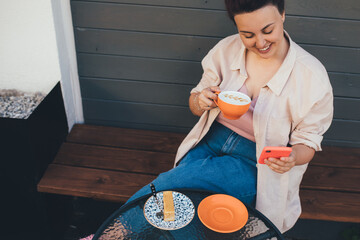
223, 161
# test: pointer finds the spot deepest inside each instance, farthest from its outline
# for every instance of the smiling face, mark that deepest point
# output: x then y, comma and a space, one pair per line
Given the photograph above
262, 32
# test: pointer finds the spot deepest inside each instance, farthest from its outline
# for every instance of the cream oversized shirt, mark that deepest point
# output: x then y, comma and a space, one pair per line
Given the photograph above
295, 107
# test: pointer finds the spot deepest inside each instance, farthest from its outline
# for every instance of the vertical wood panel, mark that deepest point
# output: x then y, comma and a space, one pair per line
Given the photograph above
347, 108
148, 126
344, 130
182, 47
152, 19
346, 9
332, 32
208, 23
345, 85
204, 4
140, 113
135, 91
128, 47
132, 68
345, 60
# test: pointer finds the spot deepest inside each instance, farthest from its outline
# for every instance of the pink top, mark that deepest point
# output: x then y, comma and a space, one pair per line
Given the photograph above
244, 125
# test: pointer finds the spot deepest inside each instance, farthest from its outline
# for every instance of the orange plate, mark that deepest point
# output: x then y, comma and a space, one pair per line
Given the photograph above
222, 213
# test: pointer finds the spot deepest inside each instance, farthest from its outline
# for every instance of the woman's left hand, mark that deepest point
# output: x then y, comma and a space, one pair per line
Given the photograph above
281, 165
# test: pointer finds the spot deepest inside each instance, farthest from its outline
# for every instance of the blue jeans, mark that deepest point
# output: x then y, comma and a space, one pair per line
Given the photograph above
223, 162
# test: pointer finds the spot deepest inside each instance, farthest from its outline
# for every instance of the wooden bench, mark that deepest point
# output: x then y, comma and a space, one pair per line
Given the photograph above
111, 164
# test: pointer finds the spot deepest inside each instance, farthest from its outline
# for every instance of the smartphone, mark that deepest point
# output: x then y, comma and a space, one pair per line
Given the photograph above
274, 152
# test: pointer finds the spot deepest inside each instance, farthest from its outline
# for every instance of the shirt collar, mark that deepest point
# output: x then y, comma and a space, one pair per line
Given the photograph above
278, 81
239, 60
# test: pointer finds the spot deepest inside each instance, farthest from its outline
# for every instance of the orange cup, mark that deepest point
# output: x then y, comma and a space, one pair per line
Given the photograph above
233, 104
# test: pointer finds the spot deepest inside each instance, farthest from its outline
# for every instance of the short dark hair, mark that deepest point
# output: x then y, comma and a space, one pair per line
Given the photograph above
235, 7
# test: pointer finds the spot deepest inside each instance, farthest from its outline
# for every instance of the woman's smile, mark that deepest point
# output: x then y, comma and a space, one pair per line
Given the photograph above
265, 49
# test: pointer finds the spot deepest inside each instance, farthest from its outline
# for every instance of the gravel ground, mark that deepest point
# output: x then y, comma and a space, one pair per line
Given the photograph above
16, 104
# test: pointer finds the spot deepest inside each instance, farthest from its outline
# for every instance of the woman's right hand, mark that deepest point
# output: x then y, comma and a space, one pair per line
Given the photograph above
203, 101
207, 96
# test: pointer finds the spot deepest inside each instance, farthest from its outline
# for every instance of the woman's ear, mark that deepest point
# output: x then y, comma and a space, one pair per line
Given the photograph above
283, 16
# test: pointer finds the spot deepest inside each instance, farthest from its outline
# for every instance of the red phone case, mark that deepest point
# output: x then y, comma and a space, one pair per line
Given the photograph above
274, 152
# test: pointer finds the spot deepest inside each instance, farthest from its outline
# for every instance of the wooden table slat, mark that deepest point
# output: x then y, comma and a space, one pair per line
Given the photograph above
111, 164
126, 138
331, 178
337, 157
326, 205
92, 183
169, 142
114, 158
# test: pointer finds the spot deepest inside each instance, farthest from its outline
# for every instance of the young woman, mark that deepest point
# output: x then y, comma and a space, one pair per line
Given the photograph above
292, 105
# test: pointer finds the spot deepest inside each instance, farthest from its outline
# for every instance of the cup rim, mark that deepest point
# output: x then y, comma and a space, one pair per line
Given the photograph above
235, 103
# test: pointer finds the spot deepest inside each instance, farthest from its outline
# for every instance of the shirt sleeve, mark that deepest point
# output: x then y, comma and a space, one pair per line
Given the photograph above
310, 129
211, 70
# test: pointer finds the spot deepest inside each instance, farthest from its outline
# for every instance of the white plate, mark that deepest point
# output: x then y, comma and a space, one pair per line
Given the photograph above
183, 206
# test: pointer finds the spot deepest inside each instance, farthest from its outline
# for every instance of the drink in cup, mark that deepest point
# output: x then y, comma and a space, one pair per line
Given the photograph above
233, 104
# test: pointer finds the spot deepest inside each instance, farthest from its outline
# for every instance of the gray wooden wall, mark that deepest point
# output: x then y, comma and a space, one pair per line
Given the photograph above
138, 59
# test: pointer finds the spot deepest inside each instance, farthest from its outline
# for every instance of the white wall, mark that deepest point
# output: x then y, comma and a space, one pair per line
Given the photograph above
28, 52
37, 50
